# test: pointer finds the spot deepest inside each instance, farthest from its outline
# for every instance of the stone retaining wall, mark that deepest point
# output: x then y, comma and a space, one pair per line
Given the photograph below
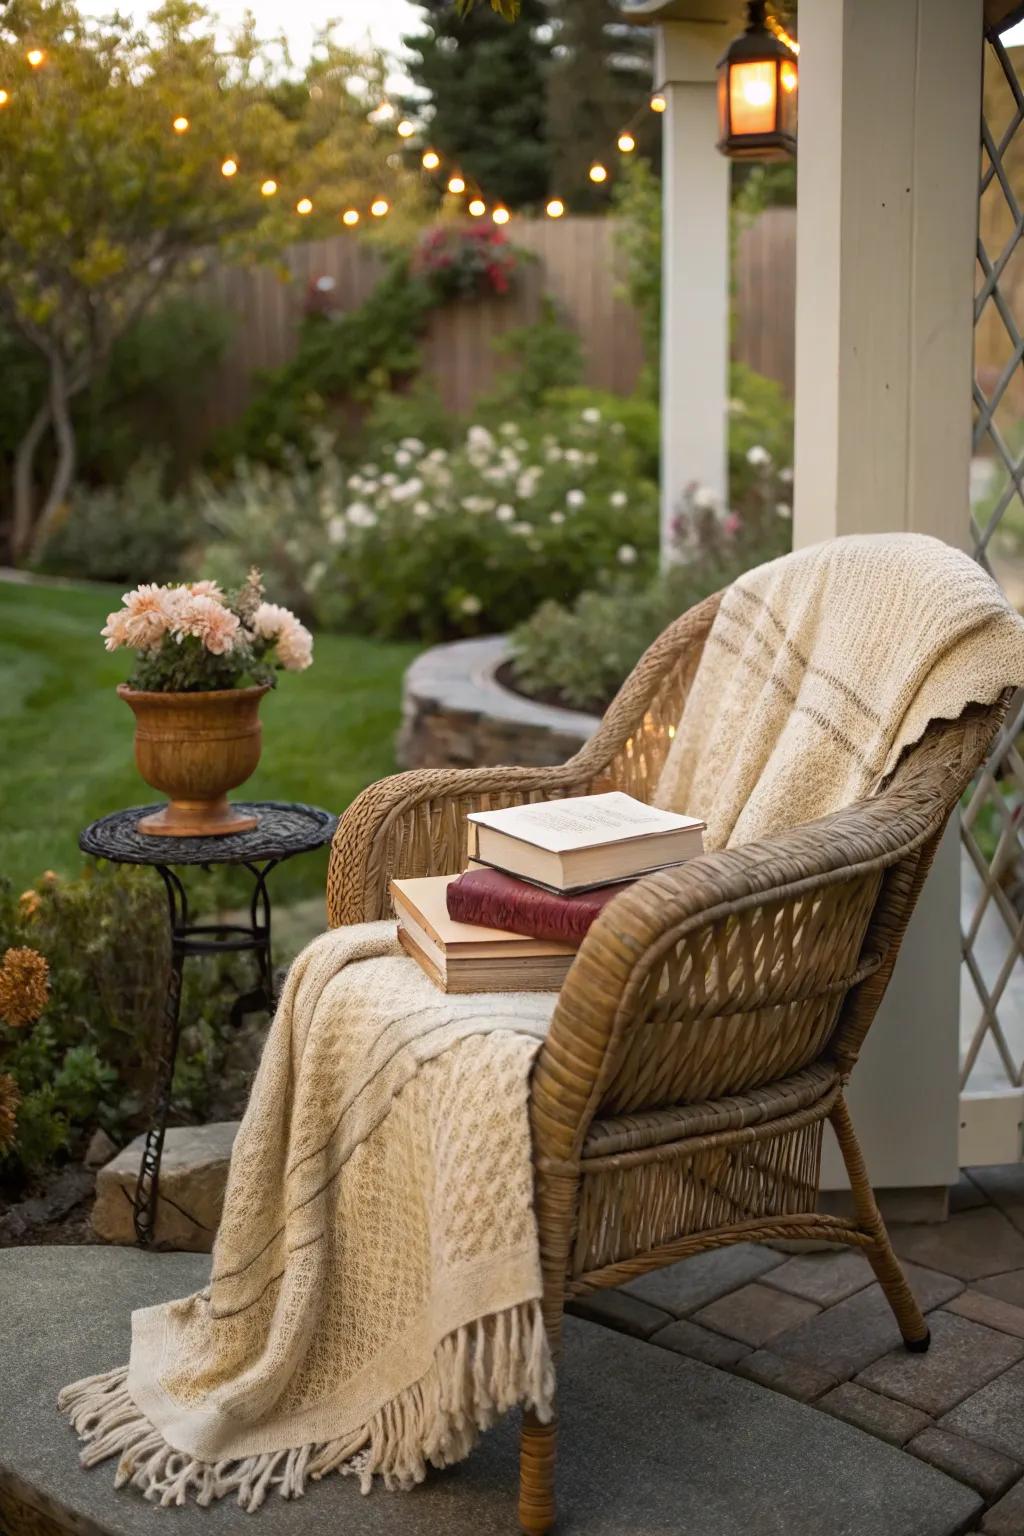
455, 713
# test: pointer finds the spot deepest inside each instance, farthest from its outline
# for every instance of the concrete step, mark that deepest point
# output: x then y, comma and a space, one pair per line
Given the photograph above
651, 1443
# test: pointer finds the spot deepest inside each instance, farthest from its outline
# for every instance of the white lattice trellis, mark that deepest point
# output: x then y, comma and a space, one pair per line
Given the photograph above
992, 995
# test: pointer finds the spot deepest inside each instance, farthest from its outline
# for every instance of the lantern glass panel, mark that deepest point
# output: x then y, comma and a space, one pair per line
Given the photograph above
752, 96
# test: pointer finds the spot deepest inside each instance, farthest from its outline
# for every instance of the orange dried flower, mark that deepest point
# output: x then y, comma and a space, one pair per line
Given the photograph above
10, 1098
24, 986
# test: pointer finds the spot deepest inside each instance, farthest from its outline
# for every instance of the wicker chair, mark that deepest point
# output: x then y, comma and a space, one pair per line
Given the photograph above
713, 1014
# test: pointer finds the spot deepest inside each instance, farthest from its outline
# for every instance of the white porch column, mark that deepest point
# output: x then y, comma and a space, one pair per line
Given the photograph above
886, 222
695, 268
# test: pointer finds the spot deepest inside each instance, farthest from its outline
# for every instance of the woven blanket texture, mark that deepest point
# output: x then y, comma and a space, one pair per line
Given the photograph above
374, 1300
821, 667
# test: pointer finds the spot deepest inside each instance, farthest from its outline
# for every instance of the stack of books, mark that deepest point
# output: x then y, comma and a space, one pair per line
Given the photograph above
538, 877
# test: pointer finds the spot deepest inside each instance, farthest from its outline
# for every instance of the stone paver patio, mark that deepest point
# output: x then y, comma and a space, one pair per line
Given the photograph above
748, 1390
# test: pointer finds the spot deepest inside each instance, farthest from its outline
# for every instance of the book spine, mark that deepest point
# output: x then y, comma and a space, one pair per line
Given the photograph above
533, 912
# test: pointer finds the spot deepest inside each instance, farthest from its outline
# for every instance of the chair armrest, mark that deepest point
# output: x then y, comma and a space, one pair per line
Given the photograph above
414, 823
689, 944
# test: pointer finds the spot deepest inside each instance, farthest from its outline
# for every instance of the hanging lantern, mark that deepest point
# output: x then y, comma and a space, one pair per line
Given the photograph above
757, 91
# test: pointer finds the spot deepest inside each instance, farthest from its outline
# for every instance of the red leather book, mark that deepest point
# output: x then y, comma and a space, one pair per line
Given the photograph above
495, 900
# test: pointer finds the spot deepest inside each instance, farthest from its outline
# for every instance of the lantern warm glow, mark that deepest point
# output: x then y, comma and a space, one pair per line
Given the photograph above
757, 91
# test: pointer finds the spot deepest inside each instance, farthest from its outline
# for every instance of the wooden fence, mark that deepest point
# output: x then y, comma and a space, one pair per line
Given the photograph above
576, 264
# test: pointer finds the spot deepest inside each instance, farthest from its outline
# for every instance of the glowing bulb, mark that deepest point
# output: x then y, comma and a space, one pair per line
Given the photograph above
597, 172
379, 207
757, 92
456, 184
269, 187
350, 216
658, 103
477, 207
5, 97
626, 143
555, 208
430, 160
304, 205
501, 215
788, 76
35, 57
229, 168
405, 129
180, 125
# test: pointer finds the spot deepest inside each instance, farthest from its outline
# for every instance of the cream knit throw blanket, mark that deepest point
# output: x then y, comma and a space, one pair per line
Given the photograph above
374, 1299
821, 667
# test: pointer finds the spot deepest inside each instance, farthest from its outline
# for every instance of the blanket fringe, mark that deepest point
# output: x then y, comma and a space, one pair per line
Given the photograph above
478, 1373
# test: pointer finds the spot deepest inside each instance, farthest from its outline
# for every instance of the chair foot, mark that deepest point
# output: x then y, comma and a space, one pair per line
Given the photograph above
536, 1476
919, 1346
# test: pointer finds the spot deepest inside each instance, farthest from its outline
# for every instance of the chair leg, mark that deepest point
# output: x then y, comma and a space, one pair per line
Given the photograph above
880, 1255
536, 1475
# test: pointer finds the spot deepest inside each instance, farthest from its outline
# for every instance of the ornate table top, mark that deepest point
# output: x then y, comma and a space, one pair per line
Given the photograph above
283, 829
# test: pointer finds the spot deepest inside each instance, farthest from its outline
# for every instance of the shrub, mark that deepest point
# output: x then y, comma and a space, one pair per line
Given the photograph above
135, 532
90, 1058
542, 357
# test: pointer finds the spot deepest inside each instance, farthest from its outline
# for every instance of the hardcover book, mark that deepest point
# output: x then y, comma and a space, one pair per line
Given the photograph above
469, 957
498, 900
584, 841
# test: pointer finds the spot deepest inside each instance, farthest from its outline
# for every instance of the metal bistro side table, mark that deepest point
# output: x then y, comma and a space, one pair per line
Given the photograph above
282, 831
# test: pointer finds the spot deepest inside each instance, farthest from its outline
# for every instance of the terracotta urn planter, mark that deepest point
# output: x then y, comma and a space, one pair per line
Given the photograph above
195, 747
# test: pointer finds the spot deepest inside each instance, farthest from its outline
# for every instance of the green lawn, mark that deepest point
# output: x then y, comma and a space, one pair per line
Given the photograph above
66, 738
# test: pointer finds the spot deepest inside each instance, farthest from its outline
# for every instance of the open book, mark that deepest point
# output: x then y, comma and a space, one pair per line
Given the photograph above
568, 845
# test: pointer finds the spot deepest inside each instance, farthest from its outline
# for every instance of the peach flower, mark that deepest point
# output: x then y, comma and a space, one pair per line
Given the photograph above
295, 647
142, 622
270, 619
209, 621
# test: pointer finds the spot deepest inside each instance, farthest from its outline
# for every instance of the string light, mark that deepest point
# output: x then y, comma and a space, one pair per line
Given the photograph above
501, 214
180, 125
626, 143
379, 207
456, 184
597, 172
658, 103
405, 129
35, 57
430, 160
350, 217
304, 205
477, 207
229, 168
5, 97
783, 36
269, 187
555, 208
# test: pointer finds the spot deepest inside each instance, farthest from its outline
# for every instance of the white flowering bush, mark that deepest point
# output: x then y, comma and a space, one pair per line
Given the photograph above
433, 541
190, 637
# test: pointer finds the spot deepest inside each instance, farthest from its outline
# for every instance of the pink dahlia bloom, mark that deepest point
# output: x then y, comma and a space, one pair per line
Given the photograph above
142, 622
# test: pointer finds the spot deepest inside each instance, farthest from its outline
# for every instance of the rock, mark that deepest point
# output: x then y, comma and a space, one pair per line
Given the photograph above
191, 1190
100, 1149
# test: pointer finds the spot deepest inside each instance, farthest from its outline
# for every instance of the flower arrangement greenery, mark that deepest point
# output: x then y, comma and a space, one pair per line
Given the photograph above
191, 637
460, 263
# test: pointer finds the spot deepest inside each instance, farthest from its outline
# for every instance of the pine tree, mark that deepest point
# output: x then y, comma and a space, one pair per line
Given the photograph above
599, 81
484, 83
